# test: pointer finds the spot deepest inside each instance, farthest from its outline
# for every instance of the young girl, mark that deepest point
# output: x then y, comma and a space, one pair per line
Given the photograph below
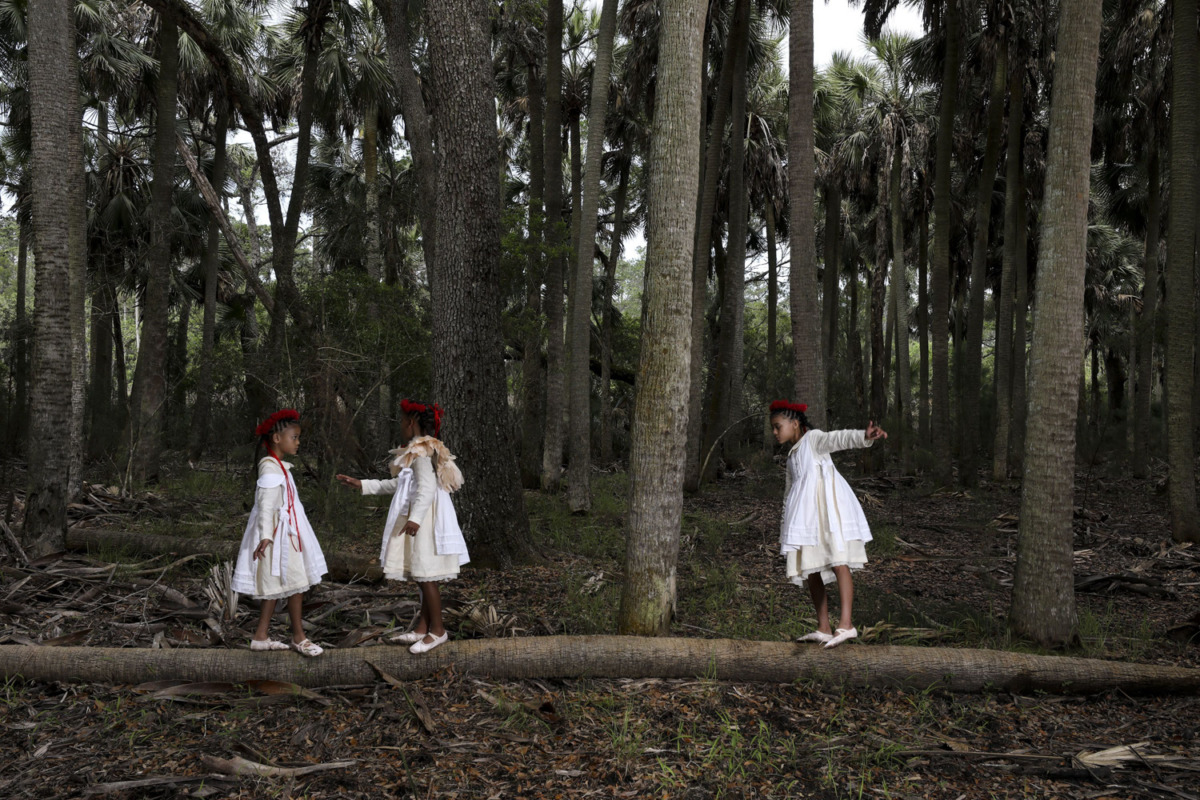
279, 556
823, 529
422, 541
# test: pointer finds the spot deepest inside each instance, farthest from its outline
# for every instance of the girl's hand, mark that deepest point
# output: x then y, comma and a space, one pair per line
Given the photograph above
411, 527
349, 483
874, 432
261, 550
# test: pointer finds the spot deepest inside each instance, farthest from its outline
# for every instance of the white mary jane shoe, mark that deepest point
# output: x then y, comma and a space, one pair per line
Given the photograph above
841, 635
409, 637
259, 645
815, 636
308, 648
424, 646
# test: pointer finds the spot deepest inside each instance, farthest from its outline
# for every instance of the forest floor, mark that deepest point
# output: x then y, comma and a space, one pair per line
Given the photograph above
940, 574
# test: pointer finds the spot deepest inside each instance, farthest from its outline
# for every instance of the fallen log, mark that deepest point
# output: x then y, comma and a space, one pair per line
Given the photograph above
341, 567
917, 668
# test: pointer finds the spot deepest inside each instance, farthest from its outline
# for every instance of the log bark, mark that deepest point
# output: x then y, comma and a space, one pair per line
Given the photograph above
341, 567
912, 668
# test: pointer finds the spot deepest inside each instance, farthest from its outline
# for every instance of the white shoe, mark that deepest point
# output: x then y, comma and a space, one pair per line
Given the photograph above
815, 636
841, 635
424, 646
411, 637
307, 648
267, 644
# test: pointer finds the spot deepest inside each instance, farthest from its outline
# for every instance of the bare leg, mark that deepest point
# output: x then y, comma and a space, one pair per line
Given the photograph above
820, 598
266, 610
846, 593
295, 604
431, 610
422, 621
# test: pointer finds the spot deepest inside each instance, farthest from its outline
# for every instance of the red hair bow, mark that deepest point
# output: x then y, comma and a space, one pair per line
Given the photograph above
267, 425
785, 405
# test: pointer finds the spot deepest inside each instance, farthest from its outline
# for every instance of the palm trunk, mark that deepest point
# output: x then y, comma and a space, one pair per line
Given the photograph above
210, 264
22, 334
706, 205
854, 351
609, 323
53, 103
468, 374
120, 364
1181, 248
145, 428
376, 404
923, 324
878, 407
79, 264
1144, 382
802, 296
1020, 378
173, 425
1043, 597
1014, 198
574, 145
578, 485
829, 290
769, 381
940, 275
660, 407
900, 314
552, 451
972, 398
533, 379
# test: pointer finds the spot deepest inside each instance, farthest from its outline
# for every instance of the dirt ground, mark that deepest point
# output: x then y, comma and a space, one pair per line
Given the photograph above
940, 575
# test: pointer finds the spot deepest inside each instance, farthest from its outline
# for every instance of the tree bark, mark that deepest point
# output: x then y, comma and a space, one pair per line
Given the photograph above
923, 432
769, 382
552, 448
78, 205
878, 406
1144, 382
854, 350
878, 666
900, 314
972, 394
610, 313
802, 281
1014, 198
939, 269
1043, 598
210, 264
660, 405
706, 208
468, 373
533, 377
1020, 379
829, 290
1180, 278
578, 478
22, 334
53, 107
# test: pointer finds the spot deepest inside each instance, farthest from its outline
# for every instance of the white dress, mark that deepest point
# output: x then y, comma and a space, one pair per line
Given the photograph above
823, 524
438, 549
293, 562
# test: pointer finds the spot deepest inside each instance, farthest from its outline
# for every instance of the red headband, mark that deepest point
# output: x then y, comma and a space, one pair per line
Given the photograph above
409, 407
784, 405
267, 426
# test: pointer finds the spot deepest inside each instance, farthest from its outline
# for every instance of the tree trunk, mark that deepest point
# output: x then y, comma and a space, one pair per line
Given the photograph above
78, 205
900, 314
1014, 198
940, 275
1043, 597
1180, 279
661, 400
176, 412
533, 378
468, 374
552, 449
22, 333
609, 323
878, 407
829, 291
210, 265
53, 106
101, 436
375, 404
923, 325
854, 352
802, 281
1144, 382
578, 479
1020, 378
147, 407
972, 396
706, 205
418, 128
769, 381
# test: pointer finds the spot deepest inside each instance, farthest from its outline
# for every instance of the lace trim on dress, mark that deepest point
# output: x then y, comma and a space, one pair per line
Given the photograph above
404, 577
282, 595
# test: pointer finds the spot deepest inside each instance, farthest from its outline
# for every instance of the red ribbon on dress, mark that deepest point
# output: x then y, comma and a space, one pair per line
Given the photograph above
291, 503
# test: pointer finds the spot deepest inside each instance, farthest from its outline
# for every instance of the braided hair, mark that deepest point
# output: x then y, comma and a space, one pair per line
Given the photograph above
789, 410
280, 420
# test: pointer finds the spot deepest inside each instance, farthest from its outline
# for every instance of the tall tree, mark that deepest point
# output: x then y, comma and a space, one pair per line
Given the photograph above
802, 282
552, 446
55, 118
1180, 278
533, 377
1043, 598
578, 491
468, 367
660, 405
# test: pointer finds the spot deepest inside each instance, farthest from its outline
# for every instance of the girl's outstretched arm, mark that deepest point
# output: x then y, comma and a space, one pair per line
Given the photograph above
833, 441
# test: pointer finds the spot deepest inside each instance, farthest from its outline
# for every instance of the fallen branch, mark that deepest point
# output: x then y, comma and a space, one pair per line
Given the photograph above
240, 766
953, 669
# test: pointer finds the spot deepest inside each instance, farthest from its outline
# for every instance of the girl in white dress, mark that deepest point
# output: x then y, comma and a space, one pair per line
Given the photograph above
279, 557
824, 529
422, 540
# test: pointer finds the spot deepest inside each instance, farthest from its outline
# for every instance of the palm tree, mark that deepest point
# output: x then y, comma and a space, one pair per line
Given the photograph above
660, 407
1180, 277
1043, 599
552, 446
